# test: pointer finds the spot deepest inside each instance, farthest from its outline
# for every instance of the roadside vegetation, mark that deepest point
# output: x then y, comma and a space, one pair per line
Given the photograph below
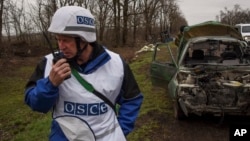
19, 123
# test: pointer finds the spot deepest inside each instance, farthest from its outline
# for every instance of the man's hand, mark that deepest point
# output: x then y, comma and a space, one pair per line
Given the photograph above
60, 70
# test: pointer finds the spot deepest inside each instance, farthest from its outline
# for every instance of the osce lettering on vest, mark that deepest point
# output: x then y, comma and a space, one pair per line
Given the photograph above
90, 109
85, 20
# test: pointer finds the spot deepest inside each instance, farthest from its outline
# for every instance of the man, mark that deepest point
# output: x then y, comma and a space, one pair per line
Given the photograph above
71, 86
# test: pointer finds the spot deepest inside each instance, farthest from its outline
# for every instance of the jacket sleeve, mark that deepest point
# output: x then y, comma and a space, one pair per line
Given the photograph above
130, 101
40, 94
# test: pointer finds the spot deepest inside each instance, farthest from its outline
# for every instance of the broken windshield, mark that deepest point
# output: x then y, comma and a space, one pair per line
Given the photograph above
211, 51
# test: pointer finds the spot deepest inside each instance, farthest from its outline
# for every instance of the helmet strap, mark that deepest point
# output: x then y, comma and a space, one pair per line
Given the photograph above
78, 46
72, 61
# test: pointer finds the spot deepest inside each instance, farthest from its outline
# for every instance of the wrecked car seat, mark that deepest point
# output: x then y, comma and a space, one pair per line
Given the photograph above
198, 54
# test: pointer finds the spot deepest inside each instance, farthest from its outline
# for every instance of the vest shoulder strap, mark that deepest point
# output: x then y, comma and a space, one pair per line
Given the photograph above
91, 89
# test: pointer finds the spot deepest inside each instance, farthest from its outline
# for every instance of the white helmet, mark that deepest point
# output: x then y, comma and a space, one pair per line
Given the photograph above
74, 20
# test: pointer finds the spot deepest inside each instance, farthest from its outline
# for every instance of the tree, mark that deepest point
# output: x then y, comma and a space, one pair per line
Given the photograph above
103, 10
2, 48
125, 21
1, 21
234, 16
117, 22
149, 10
116, 10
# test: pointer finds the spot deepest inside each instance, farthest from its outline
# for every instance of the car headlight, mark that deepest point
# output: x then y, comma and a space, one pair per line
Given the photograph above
246, 38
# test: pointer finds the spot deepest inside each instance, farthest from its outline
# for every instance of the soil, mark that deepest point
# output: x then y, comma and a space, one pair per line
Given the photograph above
195, 128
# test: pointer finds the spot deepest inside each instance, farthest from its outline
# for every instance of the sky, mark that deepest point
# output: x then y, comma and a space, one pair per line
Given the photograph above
197, 11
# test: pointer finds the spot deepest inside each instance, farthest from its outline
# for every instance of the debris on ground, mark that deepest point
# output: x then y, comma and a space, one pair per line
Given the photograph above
146, 48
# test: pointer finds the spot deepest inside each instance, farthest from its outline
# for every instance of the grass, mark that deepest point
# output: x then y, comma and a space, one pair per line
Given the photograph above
154, 100
19, 123
141, 71
16, 118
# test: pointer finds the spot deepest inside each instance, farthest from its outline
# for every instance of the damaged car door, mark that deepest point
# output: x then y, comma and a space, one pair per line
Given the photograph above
163, 65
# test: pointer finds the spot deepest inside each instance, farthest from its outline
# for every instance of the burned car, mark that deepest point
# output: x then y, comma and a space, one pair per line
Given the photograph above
208, 73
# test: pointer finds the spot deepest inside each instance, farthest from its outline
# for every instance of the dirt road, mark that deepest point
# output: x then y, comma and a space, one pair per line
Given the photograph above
195, 128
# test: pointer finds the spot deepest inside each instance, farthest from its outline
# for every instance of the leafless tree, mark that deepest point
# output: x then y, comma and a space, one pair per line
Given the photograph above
117, 22
1, 23
102, 17
1, 19
125, 21
16, 14
116, 10
234, 16
149, 9
7, 23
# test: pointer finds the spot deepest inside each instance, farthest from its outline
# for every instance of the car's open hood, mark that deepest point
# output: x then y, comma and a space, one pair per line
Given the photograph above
210, 28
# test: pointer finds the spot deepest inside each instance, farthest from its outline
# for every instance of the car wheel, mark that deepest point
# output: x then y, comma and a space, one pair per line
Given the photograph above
178, 113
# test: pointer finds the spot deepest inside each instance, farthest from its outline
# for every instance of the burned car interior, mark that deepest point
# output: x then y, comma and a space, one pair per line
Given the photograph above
213, 51
217, 79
